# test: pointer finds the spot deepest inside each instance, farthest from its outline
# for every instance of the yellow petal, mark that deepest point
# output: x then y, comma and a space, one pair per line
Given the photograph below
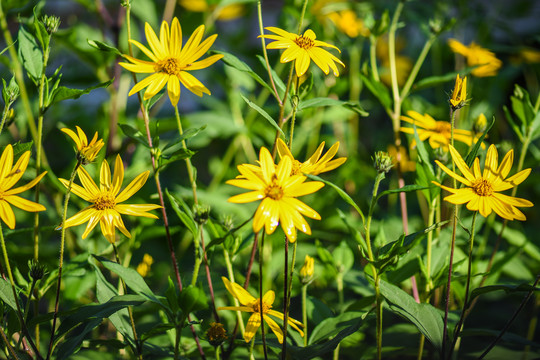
204, 63
246, 197
92, 222
252, 326
118, 176
6, 162
105, 177
453, 174
155, 86
17, 172
274, 327
302, 63
491, 164
173, 89
81, 217
133, 187
154, 42
31, 184
192, 84
6, 213
137, 209
87, 182
24, 204
238, 292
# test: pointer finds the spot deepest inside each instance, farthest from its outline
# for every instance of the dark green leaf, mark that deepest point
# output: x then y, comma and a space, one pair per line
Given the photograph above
64, 93
318, 102
424, 316
30, 54
422, 153
41, 33
341, 193
172, 296
177, 142
192, 299
103, 46
180, 154
135, 134
506, 288
183, 213
263, 113
472, 154
239, 65
406, 188
6, 294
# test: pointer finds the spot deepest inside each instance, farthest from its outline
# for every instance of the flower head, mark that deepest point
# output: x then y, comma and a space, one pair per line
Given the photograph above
306, 271
480, 124
216, 334
9, 175
347, 22
459, 95
253, 305
315, 164
486, 61
482, 189
107, 198
86, 151
303, 49
278, 189
170, 61
438, 132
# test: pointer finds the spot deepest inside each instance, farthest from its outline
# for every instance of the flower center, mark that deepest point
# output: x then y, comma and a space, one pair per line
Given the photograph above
482, 187
104, 201
170, 66
304, 42
257, 307
274, 191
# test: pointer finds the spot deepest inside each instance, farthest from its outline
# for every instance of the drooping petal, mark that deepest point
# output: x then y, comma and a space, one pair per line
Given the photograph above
302, 63
252, 326
193, 84
92, 222
243, 296
274, 327
156, 85
7, 215
173, 89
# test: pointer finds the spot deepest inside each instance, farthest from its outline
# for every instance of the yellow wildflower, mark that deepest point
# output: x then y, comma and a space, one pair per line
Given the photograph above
315, 164
86, 151
459, 95
107, 199
252, 305
170, 61
278, 189
306, 271
9, 175
303, 49
347, 22
144, 267
481, 191
438, 132
486, 61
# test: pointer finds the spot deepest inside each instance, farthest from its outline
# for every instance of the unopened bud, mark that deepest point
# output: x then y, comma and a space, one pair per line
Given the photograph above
216, 334
382, 162
307, 270
202, 213
480, 124
37, 271
51, 23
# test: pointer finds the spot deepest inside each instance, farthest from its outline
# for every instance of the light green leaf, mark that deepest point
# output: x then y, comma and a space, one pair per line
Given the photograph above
30, 53
263, 113
322, 101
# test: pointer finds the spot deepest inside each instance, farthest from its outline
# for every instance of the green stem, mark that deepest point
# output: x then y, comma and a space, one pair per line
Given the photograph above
8, 345
282, 108
230, 274
467, 286
261, 260
263, 42
393, 69
293, 117
61, 259
304, 313
373, 57
341, 300
5, 113
302, 14
189, 166
198, 259
15, 296
416, 68
138, 347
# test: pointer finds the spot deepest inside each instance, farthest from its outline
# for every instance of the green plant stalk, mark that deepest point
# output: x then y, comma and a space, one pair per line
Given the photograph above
198, 260
19, 75
376, 278
61, 258
189, 166
15, 297
304, 313
217, 353
341, 300
230, 274
5, 113
467, 287
8, 345
355, 53
265, 53
282, 108
293, 117
138, 345
285, 292
288, 297
373, 57
393, 69
39, 147
452, 243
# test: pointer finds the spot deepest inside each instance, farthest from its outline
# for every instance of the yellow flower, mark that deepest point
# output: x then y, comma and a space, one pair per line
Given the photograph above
86, 152
486, 61
225, 13
347, 22
278, 190
9, 175
107, 199
459, 95
144, 267
481, 191
302, 49
406, 165
438, 132
170, 62
306, 271
252, 305
315, 164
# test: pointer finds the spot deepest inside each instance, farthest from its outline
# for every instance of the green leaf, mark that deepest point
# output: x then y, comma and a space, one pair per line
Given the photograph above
238, 64
192, 299
166, 160
378, 90
63, 93
425, 317
41, 33
30, 54
133, 280
6, 294
354, 232
406, 188
177, 141
89, 316
343, 257
134, 134
171, 296
106, 291
472, 154
341, 193
322, 101
263, 113
506, 288
183, 213
422, 152
103, 47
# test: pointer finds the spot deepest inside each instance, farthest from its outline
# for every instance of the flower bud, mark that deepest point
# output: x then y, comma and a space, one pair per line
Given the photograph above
306, 271
37, 271
202, 213
480, 124
216, 334
51, 23
382, 162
